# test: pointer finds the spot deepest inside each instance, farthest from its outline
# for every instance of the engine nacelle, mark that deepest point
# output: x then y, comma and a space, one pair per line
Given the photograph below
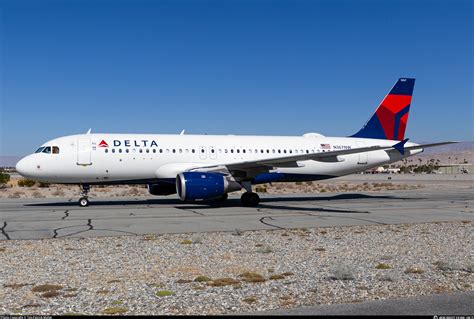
162, 188
202, 185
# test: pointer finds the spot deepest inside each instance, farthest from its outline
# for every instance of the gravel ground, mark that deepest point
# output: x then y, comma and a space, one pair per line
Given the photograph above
309, 267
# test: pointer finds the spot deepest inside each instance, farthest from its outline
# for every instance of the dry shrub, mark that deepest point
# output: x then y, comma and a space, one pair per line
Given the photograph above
219, 282
47, 287
252, 277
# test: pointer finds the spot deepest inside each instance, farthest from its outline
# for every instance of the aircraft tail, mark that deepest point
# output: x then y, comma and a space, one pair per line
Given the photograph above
390, 119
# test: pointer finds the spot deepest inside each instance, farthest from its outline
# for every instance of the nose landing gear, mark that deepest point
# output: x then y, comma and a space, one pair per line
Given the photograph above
84, 201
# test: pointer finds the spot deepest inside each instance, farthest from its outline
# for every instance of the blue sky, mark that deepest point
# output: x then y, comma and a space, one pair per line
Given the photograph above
230, 67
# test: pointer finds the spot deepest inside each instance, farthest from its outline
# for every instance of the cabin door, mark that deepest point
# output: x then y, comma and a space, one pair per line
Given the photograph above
84, 151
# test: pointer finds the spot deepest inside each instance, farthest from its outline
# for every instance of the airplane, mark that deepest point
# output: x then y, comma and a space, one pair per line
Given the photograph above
208, 167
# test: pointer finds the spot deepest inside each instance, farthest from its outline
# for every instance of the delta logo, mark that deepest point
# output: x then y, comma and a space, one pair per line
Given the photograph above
103, 144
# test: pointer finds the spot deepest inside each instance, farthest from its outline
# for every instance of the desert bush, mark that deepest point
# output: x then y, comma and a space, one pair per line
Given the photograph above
114, 310
252, 277
26, 182
4, 178
383, 266
47, 287
219, 282
414, 270
343, 272
260, 189
202, 279
44, 185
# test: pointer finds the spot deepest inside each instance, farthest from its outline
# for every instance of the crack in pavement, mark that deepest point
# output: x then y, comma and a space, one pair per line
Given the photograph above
4, 233
91, 227
66, 214
271, 218
190, 210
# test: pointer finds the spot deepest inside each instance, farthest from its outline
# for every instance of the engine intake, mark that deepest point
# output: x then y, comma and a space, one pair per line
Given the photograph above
202, 185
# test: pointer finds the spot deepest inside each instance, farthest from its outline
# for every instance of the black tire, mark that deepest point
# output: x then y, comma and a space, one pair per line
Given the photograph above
223, 198
83, 202
250, 199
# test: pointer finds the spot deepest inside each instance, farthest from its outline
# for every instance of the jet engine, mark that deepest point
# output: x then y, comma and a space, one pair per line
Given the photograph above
203, 185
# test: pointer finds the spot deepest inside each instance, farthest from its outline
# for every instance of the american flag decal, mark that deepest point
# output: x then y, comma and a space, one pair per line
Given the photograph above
326, 146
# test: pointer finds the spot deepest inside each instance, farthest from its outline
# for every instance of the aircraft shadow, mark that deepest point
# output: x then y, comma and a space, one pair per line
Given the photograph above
232, 202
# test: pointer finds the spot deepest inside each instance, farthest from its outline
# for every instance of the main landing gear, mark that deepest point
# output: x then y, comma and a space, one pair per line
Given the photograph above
249, 199
84, 201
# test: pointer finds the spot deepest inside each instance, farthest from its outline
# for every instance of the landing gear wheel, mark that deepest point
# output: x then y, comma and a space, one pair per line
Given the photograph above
83, 202
250, 199
223, 198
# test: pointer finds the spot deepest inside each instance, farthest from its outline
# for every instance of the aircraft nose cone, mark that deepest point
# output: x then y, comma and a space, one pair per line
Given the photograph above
23, 167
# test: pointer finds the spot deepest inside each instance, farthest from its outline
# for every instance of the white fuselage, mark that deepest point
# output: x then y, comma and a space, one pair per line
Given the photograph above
143, 158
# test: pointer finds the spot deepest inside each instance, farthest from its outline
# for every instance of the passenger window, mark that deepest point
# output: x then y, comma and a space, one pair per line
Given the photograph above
232, 151
113, 150
127, 150
261, 151
55, 150
154, 150
193, 150
243, 151
148, 150
161, 150
120, 150
140, 150
238, 151
106, 150
284, 151
268, 151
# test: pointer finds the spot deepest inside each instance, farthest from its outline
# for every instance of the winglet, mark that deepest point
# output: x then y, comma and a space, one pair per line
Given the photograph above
89, 131
182, 132
400, 146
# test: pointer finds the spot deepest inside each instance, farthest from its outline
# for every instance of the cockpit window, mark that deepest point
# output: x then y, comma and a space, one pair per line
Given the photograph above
39, 150
55, 150
47, 150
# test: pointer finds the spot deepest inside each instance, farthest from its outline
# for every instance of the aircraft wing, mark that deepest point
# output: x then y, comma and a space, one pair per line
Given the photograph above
248, 169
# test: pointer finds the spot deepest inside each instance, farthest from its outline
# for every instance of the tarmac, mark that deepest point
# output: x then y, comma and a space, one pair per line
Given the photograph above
57, 218
443, 305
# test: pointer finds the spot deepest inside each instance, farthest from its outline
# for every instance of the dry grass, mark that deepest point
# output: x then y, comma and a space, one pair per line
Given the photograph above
252, 277
202, 279
249, 299
15, 286
186, 242
114, 310
47, 287
414, 270
50, 294
219, 282
383, 266
183, 281
164, 293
